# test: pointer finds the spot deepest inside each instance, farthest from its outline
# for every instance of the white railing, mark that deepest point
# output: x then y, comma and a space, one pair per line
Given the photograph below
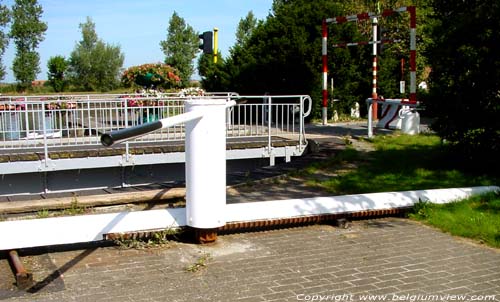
50, 122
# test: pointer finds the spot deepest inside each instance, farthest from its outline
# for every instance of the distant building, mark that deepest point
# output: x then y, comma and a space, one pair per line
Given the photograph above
38, 83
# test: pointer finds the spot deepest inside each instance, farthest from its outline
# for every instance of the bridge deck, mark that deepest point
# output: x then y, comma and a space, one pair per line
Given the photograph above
65, 152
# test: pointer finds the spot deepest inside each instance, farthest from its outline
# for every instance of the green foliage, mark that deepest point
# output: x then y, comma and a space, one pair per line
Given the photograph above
43, 213
93, 64
151, 75
157, 239
400, 163
4, 39
214, 76
74, 209
465, 91
245, 28
200, 263
476, 217
180, 47
28, 32
57, 67
282, 55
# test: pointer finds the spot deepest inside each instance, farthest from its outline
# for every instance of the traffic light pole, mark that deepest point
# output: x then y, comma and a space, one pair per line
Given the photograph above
216, 44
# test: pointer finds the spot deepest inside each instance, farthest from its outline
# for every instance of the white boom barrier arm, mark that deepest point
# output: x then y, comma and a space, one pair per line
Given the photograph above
205, 146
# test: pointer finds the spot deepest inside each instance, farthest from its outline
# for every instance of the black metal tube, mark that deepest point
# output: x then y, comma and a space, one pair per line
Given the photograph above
114, 137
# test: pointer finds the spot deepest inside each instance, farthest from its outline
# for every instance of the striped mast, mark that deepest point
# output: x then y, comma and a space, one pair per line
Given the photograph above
364, 16
413, 53
325, 72
374, 69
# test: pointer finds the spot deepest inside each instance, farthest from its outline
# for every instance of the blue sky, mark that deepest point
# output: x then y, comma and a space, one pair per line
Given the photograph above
137, 26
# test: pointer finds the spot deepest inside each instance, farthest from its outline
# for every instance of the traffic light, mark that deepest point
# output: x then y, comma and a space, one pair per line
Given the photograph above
206, 43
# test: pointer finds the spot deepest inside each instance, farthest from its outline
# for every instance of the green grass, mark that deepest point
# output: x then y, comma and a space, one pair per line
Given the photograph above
403, 162
399, 163
477, 217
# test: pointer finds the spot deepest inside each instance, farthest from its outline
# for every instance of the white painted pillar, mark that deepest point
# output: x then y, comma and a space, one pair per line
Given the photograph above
206, 164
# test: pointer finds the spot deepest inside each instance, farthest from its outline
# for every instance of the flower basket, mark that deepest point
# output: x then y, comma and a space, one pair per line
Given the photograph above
151, 76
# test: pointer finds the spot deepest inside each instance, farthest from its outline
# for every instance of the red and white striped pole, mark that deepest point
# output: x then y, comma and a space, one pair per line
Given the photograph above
413, 53
325, 72
374, 70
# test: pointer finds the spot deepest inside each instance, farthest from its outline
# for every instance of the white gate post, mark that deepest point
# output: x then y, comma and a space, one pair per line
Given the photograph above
206, 168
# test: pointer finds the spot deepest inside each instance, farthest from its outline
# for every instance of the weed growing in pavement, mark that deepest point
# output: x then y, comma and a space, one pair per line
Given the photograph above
154, 240
347, 140
74, 209
200, 263
43, 213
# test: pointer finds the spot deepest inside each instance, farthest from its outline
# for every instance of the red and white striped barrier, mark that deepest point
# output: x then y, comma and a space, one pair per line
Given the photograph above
365, 16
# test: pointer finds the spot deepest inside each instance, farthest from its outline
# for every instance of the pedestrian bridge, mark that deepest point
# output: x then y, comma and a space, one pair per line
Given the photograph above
52, 143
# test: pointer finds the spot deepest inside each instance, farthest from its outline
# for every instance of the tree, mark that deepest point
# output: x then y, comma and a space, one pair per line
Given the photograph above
93, 64
27, 31
4, 40
245, 28
283, 53
180, 47
214, 76
57, 67
465, 91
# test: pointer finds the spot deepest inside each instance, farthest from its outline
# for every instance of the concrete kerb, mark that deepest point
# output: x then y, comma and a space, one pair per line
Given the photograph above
61, 203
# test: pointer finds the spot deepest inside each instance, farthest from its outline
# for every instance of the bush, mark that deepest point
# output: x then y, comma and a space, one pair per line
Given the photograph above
465, 91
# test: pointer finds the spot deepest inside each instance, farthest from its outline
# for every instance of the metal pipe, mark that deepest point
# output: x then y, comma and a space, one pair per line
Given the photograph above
24, 279
118, 136
114, 137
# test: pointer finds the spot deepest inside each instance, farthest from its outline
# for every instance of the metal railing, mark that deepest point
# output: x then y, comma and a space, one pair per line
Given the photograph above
49, 122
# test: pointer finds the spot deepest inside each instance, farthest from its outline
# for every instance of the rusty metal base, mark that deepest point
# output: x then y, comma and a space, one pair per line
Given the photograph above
340, 220
24, 279
204, 236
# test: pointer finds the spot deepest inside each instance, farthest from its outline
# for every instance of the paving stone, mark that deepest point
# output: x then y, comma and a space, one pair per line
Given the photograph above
274, 265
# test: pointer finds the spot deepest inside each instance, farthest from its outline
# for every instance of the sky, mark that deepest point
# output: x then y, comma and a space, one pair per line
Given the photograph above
137, 26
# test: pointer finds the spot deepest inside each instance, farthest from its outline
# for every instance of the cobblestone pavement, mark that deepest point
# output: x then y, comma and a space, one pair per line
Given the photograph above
395, 258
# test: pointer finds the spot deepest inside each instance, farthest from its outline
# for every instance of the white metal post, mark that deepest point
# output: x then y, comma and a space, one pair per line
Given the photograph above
127, 145
44, 129
269, 131
206, 164
370, 118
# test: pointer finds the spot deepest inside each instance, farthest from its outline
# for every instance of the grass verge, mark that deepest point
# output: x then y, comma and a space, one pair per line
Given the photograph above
399, 163
477, 217
402, 162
